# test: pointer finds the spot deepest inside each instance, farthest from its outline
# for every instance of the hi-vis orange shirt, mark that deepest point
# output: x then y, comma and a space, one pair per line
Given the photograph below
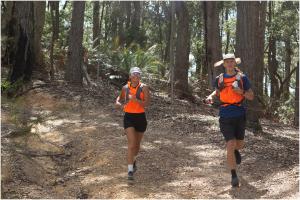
227, 95
133, 106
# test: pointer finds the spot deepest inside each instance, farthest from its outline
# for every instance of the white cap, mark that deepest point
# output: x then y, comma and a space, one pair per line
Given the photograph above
135, 69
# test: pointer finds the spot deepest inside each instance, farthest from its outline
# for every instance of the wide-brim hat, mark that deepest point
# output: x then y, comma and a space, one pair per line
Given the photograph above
228, 56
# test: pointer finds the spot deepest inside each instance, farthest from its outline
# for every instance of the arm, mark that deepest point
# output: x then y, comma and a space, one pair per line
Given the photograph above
146, 101
118, 104
248, 94
210, 97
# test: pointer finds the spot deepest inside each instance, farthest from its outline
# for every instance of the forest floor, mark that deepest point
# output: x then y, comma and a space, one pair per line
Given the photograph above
60, 141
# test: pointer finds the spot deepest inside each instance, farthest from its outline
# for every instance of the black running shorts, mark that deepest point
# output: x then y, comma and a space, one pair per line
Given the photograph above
233, 128
136, 120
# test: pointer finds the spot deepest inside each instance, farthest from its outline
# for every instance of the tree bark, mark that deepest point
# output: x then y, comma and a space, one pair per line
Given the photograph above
288, 61
101, 19
250, 43
213, 40
73, 72
39, 18
182, 50
23, 56
54, 10
96, 24
227, 31
168, 32
114, 20
171, 51
107, 20
272, 61
7, 30
136, 20
296, 118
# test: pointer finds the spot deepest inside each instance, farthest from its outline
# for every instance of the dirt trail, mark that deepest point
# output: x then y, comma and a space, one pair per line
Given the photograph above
76, 149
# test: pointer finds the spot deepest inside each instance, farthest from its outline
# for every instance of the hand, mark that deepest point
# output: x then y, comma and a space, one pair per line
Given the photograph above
208, 100
132, 97
118, 105
238, 90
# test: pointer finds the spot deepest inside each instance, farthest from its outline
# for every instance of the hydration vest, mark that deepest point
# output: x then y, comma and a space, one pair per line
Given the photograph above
130, 106
227, 95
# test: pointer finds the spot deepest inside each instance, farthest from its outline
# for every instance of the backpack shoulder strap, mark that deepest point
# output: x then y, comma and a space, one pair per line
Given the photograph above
239, 77
220, 81
139, 91
126, 88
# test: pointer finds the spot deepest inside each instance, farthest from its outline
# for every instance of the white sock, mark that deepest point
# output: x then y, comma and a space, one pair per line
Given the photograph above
130, 168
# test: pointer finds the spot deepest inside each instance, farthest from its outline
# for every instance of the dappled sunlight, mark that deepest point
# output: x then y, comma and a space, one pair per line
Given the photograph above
54, 136
91, 179
110, 124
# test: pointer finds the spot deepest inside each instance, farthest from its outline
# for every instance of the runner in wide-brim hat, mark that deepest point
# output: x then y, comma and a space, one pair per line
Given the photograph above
232, 87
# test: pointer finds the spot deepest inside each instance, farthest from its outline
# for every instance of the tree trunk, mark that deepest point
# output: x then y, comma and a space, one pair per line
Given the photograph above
158, 23
114, 20
136, 20
73, 72
168, 33
121, 22
272, 61
23, 56
54, 10
7, 29
39, 17
296, 118
200, 53
128, 13
107, 20
96, 28
288, 60
213, 40
250, 43
172, 41
227, 31
101, 19
182, 50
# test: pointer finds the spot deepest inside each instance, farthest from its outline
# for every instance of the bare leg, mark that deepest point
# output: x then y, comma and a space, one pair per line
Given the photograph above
139, 137
240, 144
132, 140
231, 146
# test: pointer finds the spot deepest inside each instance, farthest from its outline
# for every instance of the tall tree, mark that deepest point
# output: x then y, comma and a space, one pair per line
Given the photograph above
212, 39
171, 46
39, 19
96, 24
227, 30
101, 19
296, 115
73, 72
8, 32
54, 10
22, 23
168, 31
136, 19
182, 50
272, 61
250, 47
287, 69
114, 19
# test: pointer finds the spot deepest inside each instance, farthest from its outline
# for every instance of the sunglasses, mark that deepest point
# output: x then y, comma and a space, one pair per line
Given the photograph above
135, 74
